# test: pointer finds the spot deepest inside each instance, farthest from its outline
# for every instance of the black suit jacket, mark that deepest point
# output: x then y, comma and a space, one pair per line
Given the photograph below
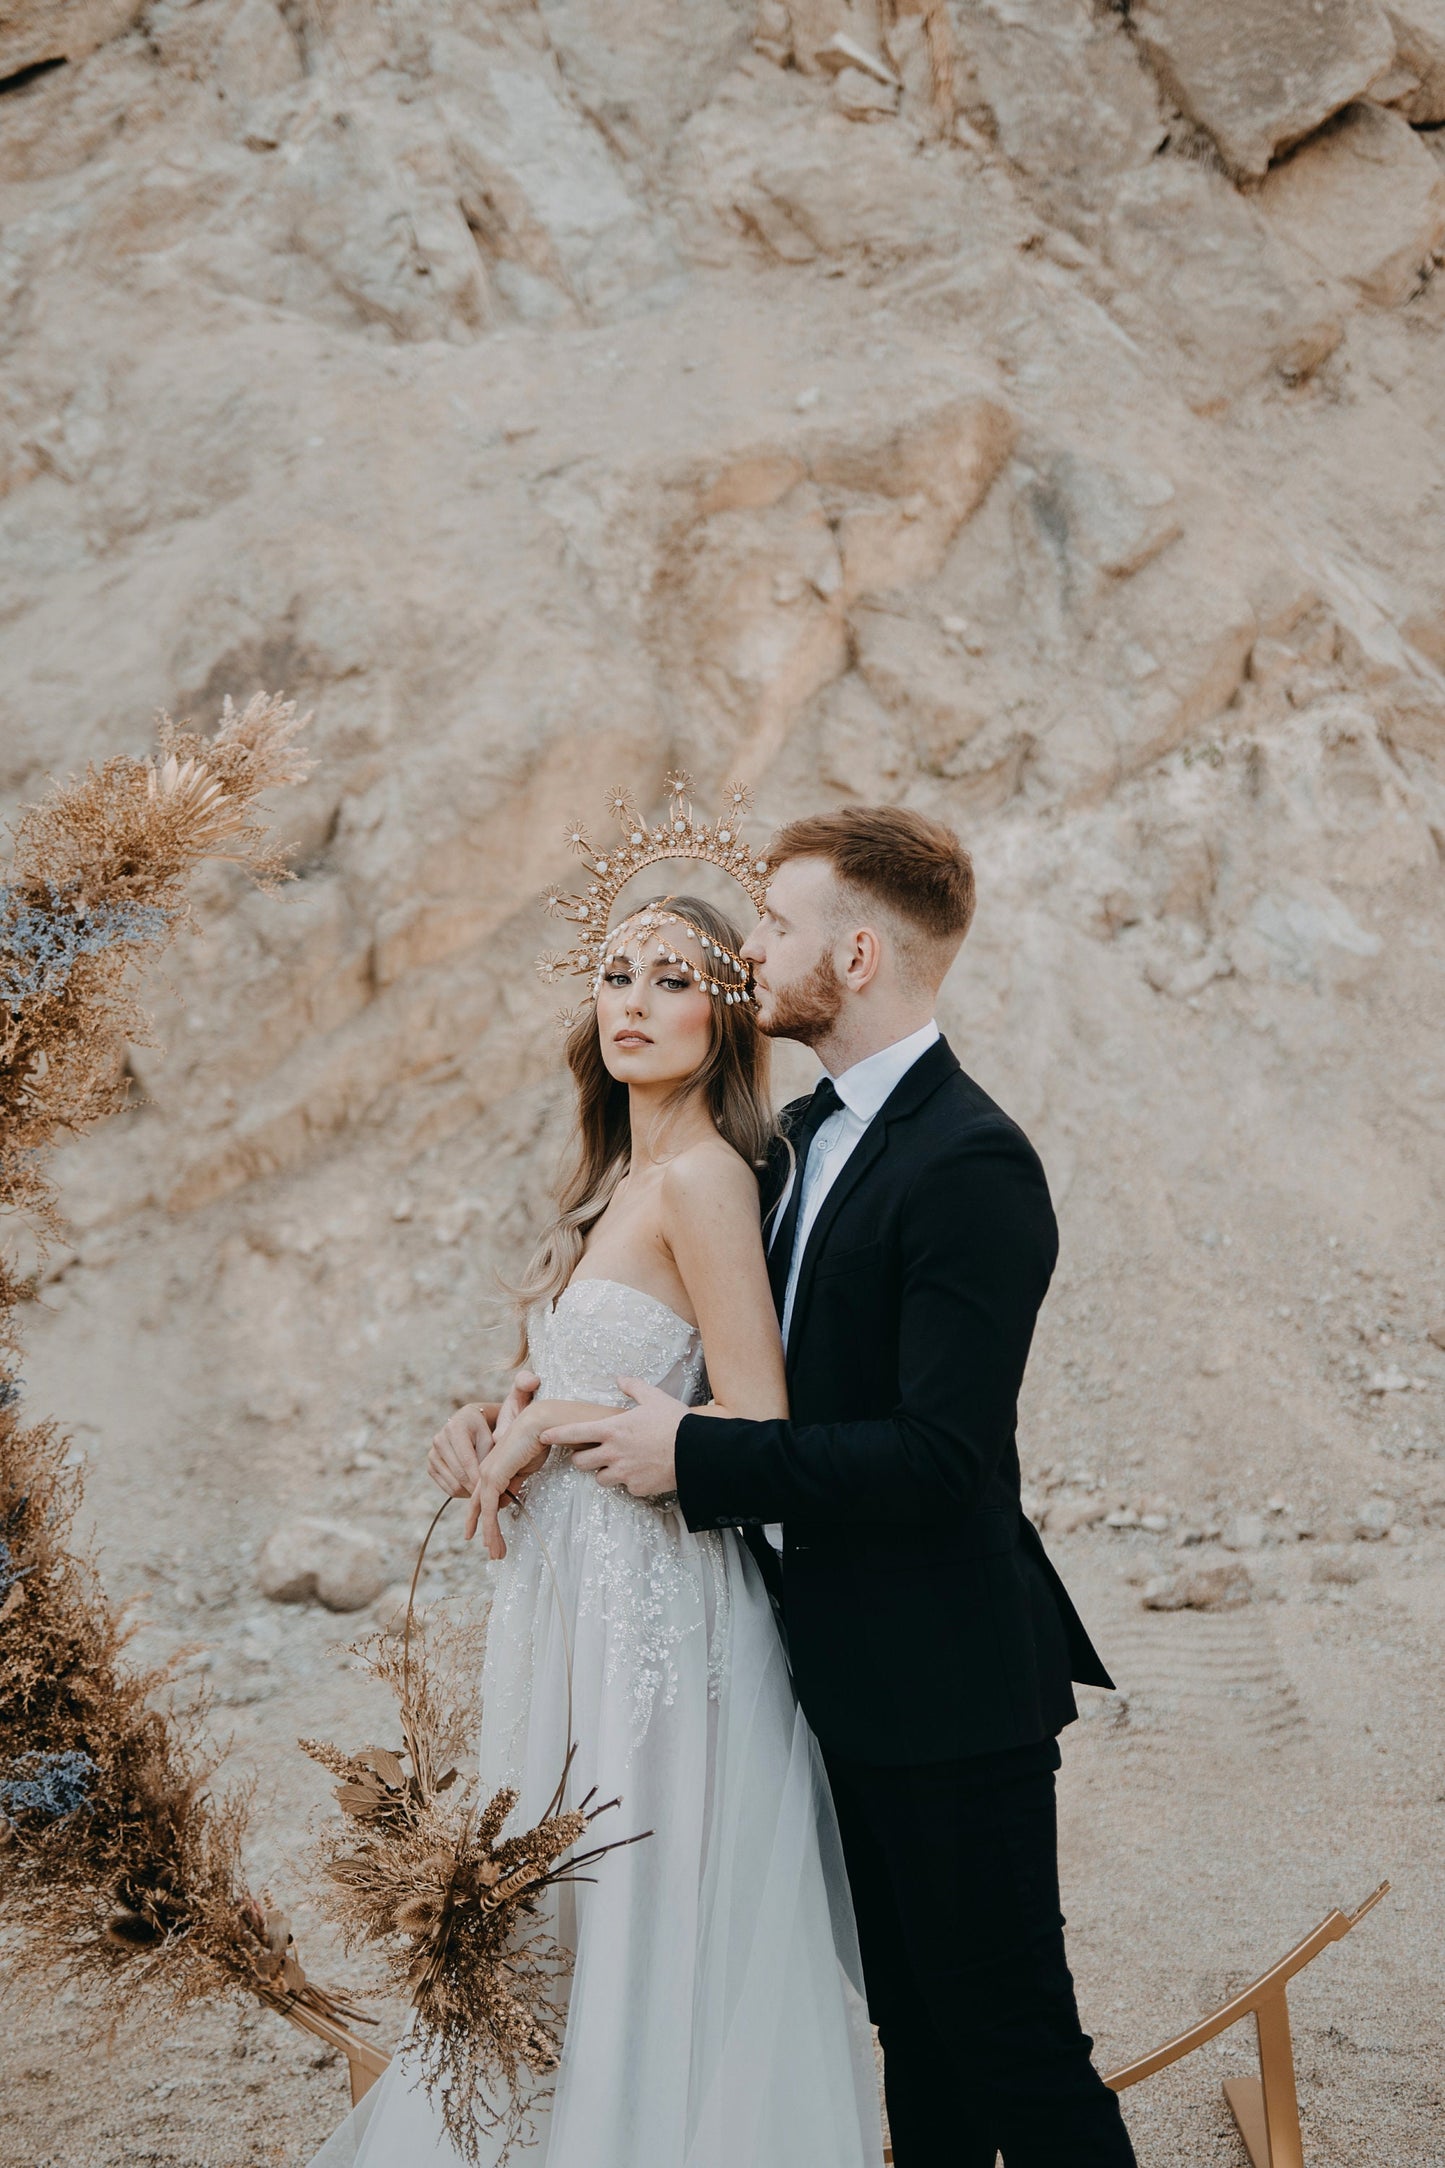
924, 1619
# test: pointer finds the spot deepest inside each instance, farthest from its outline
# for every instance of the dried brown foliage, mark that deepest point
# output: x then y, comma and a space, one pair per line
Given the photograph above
425, 1875
122, 1877
120, 1870
98, 877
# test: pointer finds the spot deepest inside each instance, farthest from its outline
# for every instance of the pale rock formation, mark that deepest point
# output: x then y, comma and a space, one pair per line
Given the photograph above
538, 185
843, 55
394, 242
240, 54
325, 1561
1220, 1587
777, 547
859, 95
1105, 522
1259, 77
1419, 27
761, 593
813, 24
637, 68
1239, 300
806, 184
926, 478
1066, 90
1365, 199
1065, 1516
35, 32
917, 674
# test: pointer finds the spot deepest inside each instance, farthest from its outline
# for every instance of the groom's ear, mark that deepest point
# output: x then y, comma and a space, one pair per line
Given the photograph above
867, 948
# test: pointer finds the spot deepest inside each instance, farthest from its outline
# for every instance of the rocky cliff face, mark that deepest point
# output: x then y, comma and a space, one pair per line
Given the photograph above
1028, 413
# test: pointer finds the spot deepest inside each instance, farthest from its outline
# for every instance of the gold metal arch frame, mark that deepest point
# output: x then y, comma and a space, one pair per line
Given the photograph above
1265, 2108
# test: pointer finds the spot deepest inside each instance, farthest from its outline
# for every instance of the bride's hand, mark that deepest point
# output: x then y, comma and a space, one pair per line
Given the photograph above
524, 1387
459, 1448
455, 1456
511, 1460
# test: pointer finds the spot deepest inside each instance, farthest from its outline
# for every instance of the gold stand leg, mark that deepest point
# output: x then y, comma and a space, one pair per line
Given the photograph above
362, 2078
1266, 2108
364, 2063
1276, 2070
1246, 2104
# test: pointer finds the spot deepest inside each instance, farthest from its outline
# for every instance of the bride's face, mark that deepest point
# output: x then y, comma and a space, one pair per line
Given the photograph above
654, 1022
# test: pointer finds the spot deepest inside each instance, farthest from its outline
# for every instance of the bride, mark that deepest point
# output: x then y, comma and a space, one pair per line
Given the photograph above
714, 2012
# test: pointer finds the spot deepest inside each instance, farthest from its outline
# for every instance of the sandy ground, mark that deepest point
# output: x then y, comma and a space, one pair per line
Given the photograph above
1258, 1766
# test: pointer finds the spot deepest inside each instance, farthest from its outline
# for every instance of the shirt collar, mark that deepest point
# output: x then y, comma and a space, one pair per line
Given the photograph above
864, 1088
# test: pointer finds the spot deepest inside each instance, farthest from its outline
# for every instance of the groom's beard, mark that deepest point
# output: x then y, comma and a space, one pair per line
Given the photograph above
808, 1011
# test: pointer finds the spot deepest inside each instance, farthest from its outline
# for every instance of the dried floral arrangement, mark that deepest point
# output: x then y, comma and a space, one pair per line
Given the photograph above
421, 1872
120, 1870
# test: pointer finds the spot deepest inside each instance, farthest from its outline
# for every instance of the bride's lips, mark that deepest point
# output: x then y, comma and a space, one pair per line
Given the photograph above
630, 1038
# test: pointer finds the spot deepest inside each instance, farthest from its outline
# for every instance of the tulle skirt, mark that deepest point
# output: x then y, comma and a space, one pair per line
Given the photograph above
714, 2009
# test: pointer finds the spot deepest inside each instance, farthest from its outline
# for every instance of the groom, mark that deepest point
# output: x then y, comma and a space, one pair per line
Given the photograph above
931, 1641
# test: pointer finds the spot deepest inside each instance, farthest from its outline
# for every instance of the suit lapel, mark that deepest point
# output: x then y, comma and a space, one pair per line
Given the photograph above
918, 1084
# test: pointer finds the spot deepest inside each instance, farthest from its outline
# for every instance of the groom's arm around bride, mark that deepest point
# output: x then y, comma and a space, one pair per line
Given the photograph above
923, 1616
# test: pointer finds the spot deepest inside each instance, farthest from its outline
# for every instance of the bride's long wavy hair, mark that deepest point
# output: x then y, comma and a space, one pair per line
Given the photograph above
733, 1076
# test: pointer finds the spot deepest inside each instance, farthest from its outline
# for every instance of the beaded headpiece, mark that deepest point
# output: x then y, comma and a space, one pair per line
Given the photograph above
679, 836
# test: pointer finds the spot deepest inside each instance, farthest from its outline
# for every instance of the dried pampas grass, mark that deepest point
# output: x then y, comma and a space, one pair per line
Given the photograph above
424, 1874
120, 1868
97, 879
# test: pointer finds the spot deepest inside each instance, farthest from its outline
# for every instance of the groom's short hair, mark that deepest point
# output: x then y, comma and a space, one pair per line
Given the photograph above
914, 866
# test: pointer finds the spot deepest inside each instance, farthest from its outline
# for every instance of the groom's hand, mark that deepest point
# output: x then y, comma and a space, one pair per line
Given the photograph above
634, 1449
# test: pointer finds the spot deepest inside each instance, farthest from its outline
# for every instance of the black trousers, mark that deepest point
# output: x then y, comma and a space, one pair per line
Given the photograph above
954, 1868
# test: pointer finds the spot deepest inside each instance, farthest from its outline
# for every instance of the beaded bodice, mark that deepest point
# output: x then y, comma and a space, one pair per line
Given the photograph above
635, 1583
598, 1329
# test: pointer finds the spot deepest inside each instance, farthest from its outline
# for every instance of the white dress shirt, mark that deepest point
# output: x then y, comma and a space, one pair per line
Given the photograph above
863, 1090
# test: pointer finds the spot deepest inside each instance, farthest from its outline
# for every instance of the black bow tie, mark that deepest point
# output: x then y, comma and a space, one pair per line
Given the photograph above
825, 1101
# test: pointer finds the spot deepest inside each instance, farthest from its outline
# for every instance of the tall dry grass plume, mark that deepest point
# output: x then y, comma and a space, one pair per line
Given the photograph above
97, 881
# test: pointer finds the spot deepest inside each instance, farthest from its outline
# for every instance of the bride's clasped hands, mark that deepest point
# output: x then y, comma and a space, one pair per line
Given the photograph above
485, 1455
629, 1449
520, 1447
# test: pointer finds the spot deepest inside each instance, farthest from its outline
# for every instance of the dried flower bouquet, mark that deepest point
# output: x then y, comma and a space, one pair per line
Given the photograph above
425, 1874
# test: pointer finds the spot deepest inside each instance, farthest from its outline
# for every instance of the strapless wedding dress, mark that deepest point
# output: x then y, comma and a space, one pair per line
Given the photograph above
714, 2014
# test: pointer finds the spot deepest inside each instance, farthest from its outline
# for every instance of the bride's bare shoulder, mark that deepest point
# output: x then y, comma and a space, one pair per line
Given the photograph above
709, 1174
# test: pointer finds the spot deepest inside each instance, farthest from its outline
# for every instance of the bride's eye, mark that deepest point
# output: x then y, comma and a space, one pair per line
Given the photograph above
674, 983
618, 978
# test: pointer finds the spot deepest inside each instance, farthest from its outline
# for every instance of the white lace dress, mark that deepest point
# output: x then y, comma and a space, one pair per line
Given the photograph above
714, 2018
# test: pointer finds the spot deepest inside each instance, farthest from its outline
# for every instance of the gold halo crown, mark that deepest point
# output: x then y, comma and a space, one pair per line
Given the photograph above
680, 836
